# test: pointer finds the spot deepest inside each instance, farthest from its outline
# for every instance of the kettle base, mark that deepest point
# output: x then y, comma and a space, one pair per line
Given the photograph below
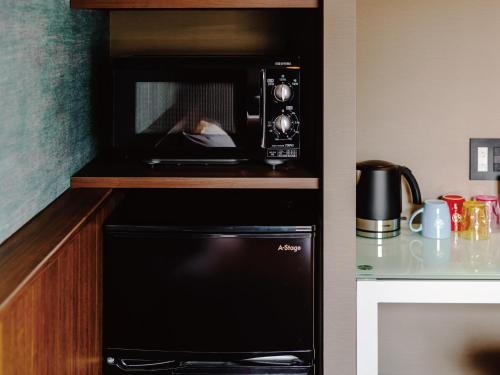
377, 235
377, 228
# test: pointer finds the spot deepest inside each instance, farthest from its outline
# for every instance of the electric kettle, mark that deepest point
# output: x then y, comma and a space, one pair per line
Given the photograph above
378, 198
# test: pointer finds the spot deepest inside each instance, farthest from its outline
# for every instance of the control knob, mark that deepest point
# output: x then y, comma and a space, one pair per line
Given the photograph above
282, 92
283, 124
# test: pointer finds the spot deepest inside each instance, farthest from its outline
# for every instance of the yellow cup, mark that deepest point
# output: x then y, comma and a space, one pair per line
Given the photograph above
475, 221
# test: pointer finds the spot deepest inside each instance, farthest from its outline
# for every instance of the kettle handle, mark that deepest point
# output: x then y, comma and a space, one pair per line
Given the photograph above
412, 182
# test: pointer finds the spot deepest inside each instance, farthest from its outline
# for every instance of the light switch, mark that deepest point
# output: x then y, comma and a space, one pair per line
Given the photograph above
484, 155
482, 159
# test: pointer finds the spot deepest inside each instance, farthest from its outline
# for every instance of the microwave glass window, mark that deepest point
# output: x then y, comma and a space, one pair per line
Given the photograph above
186, 113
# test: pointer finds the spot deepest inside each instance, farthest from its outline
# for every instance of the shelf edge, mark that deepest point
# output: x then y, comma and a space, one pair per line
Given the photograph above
192, 4
196, 182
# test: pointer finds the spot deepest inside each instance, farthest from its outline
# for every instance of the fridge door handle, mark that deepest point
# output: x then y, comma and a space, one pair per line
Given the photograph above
278, 360
142, 365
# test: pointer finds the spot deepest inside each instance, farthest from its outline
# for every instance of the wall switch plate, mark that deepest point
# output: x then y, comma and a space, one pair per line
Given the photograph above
484, 159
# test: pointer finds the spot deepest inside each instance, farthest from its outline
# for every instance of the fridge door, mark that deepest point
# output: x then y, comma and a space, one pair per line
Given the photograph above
210, 292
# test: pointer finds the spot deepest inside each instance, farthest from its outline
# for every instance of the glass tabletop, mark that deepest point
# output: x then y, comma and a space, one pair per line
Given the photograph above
412, 256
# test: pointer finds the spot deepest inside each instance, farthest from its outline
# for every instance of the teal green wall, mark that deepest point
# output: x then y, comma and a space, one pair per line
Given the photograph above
49, 56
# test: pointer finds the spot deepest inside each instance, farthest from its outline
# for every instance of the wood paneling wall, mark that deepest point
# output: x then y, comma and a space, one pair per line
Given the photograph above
52, 324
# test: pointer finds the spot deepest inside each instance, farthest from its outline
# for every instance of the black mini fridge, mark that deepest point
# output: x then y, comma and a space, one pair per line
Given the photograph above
199, 288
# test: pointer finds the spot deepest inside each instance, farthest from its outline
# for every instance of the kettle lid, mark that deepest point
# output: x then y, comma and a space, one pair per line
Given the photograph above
375, 165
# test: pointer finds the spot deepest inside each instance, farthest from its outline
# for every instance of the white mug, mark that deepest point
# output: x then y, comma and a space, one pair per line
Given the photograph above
436, 220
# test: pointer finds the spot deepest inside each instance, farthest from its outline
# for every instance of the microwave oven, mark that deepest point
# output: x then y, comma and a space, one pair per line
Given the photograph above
207, 109
204, 283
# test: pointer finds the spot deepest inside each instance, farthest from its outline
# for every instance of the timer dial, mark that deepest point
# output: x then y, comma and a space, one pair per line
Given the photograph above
282, 124
282, 92
285, 125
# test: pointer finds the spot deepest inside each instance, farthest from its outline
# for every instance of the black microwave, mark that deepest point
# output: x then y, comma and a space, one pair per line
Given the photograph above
207, 109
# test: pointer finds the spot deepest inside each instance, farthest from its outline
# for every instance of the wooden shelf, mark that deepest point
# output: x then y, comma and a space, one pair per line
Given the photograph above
104, 174
191, 4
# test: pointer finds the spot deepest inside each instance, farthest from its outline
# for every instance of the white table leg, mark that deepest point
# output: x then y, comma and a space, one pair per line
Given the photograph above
371, 292
367, 328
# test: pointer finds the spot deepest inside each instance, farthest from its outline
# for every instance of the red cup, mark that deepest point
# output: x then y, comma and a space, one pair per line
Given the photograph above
455, 204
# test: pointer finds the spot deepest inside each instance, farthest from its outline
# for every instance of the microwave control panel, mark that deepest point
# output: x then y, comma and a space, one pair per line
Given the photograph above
281, 115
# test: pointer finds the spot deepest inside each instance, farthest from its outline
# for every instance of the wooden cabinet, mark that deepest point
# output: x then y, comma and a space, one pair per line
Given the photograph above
50, 295
47, 294
56, 301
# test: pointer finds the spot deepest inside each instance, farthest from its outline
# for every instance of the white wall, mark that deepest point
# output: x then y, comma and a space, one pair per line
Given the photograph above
444, 339
428, 80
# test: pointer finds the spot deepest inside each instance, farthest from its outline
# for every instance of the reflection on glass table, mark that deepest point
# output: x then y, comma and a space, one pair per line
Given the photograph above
412, 256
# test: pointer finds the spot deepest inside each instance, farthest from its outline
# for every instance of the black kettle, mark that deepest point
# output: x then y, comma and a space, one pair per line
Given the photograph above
378, 198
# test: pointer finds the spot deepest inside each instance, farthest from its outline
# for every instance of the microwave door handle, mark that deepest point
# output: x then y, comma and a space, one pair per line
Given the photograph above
253, 118
263, 113
138, 365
